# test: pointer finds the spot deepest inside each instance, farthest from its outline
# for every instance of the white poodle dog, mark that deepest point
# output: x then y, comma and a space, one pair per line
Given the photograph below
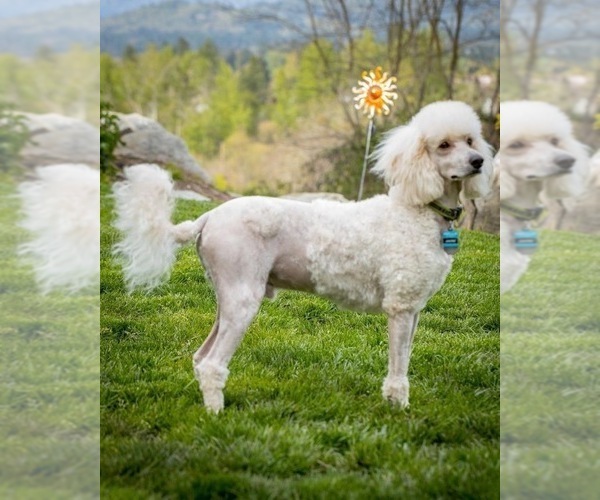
383, 254
538, 156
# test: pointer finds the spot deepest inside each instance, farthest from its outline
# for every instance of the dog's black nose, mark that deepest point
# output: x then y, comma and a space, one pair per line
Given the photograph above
476, 161
564, 161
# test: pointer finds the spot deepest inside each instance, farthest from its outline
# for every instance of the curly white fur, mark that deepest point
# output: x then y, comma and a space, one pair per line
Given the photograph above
61, 211
404, 163
538, 158
144, 205
381, 254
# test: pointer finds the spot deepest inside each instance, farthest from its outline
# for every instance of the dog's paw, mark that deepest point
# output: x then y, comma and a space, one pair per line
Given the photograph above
214, 401
395, 390
212, 380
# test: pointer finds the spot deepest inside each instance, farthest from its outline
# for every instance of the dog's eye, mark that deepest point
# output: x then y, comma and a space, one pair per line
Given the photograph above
554, 141
444, 145
469, 141
516, 145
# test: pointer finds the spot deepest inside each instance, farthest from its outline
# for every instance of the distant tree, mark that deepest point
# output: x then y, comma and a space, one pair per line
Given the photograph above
217, 118
181, 46
254, 85
111, 84
78, 94
129, 52
190, 83
44, 53
241, 57
314, 80
61, 82
286, 109
158, 66
15, 86
369, 51
146, 80
209, 51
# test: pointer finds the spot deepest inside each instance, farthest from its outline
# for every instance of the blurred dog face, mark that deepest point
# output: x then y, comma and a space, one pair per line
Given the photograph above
455, 157
538, 150
535, 158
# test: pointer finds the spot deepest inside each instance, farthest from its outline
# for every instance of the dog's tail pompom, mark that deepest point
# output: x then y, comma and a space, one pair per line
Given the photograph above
144, 203
60, 207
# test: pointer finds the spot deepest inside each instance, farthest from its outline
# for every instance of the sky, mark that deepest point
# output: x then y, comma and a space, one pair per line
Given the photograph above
12, 8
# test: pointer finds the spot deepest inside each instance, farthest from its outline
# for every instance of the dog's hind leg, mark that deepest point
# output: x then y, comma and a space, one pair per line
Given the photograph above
237, 307
402, 328
201, 353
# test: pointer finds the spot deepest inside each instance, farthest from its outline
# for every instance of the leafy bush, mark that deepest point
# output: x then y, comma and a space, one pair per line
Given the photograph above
110, 138
13, 136
342, 171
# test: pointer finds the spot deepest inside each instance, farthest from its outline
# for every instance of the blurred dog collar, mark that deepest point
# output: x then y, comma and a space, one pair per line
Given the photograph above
526, 214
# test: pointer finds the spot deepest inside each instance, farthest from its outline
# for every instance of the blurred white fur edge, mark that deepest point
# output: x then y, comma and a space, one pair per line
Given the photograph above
60, 209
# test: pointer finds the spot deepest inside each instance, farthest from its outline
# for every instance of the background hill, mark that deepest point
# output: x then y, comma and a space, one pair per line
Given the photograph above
247, 24
114, 7
27, 30
230, 28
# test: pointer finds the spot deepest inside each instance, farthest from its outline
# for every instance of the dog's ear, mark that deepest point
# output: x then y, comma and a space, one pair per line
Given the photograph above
480, 185
404, 163
573, 184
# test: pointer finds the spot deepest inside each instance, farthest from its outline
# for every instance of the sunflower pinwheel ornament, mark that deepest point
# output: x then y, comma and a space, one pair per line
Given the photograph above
375, 92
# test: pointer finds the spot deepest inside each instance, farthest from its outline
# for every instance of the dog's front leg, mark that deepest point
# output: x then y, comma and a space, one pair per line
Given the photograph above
402, 328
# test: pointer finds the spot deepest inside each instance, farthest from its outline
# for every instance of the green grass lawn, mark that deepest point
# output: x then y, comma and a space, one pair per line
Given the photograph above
49, 394
304, 416
551, 374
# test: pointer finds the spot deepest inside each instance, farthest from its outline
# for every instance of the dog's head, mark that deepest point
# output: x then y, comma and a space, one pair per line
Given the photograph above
442, 142
537, 146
